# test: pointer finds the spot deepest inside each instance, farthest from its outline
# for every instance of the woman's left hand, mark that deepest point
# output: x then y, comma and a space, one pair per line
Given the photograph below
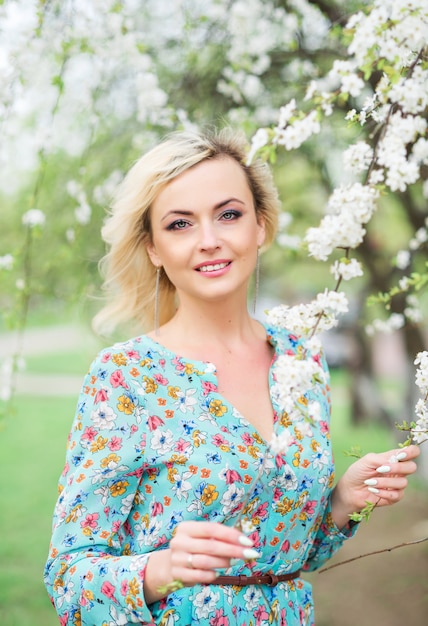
377, 478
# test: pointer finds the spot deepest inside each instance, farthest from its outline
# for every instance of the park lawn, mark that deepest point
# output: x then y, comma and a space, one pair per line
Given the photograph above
32, 449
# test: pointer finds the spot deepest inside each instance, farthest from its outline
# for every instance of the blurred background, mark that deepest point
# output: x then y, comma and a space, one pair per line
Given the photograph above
86, 87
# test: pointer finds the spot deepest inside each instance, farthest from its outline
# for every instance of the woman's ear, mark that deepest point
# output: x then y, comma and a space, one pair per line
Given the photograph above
261, 231
153, 255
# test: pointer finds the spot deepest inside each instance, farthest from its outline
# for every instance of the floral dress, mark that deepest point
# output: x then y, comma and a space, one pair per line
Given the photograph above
154, 444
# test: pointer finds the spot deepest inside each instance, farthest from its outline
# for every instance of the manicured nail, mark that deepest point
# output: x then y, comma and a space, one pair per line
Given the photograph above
373, 490
250, 553
245, 541
383, 469
401, 456
371, 482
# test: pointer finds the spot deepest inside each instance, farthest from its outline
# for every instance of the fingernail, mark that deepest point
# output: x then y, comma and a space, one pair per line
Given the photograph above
373, 490
383, 469
245, 541
250, 553
401, 456
371, 482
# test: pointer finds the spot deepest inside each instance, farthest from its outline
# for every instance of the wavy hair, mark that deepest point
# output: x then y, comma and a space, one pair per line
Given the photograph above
129, 275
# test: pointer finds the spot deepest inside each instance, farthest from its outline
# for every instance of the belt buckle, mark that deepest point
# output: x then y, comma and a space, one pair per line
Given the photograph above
273, 580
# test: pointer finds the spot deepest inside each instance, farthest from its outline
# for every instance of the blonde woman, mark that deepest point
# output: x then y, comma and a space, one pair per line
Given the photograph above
164, 516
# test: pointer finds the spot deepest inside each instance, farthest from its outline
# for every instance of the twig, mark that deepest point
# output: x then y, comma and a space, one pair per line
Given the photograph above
361, 556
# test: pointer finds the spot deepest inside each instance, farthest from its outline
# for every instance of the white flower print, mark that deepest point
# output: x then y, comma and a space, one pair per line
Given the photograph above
185, 400
162, 441
252, 597
65, 593
232, 497
103, 417
182, 485
205, 602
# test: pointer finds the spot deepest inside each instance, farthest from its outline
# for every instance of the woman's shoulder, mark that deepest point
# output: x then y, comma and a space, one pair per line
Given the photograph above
139, 350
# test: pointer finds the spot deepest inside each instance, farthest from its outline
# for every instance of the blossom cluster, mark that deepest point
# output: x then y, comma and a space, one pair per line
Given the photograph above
420, 430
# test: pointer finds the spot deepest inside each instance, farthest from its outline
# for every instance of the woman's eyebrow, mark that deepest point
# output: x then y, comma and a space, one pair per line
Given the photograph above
186, 212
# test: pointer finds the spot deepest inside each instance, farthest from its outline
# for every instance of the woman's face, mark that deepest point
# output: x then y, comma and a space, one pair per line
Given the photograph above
205, 232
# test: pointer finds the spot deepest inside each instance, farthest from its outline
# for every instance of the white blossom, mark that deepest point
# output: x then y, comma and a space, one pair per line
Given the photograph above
403, 259
357, 157
346, 269
6, 262
34, 217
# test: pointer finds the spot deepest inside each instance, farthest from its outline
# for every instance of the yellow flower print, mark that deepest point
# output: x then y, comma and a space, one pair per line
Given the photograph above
172, 472
198, 438
119, 488
285, 420
172, 392
189, 368
284, 506
150, 385
99, 444
217, 408
126, 550
146, 363
125, 405
134, 587
111, 459
180, 459
303, 400
87, 531
315, 445
296, 459
209, 494
253, 451
119, 359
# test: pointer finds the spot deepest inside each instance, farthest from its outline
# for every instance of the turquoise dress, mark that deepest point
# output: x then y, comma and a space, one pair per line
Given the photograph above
153, 444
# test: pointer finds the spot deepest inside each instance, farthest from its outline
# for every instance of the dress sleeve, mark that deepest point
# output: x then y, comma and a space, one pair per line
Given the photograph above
90, 575
328, 539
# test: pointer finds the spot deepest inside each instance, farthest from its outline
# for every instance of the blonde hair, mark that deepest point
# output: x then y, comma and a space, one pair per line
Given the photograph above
129, 275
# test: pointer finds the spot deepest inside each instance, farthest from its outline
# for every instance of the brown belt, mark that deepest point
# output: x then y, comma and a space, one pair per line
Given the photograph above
263, 579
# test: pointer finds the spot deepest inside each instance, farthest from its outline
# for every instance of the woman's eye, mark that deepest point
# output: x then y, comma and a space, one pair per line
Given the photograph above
230, 215
178, 225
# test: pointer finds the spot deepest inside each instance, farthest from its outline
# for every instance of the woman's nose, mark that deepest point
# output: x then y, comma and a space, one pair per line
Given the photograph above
209, 239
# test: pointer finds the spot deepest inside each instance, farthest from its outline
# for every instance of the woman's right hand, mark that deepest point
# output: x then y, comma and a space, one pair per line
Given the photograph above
196, 552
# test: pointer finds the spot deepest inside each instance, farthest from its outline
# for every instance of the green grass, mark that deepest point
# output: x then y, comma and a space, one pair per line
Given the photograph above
32, 449
73, 363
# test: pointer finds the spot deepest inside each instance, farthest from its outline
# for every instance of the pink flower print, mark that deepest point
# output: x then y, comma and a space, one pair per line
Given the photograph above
90, 433
260, 614
208, 387
102, 395
154, 422
309, 507
219, 619
261, 511
63, 621
66, 469
324, 427
115, 444
134, 428
157, 508
277, 494
106, 357
133, 355
219, 440
117, 380
179, 366
182, 445
90, 521
115, 527
255, 539
247, 439
232, 476
285, 546
161, 380
108, 590
162, 362
124, 587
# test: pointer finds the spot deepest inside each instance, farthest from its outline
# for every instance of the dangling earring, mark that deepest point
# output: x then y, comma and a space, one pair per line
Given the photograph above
257, 279
156, 320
